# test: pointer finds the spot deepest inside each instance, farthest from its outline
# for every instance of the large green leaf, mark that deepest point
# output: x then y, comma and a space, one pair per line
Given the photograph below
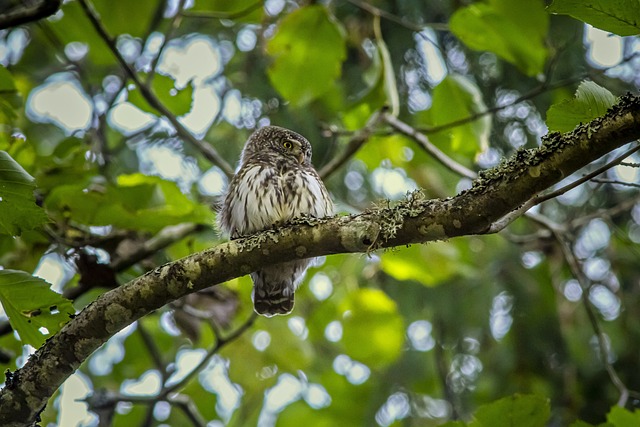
137, 202
31, 305
178, 101
307, 49
238, 10
591, 101
455, 98
514, 30
373, 330
517, 410
621, 17
18, 210
428, 264
620, 417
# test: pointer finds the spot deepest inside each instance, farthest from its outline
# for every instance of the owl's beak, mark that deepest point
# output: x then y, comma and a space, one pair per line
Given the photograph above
301, 157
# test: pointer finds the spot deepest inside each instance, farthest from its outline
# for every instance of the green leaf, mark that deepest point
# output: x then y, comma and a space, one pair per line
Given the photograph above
621, 17
238, 10
514, 30
178, 101
411, 263
9, 97
373, 330
307, 50
137, 202
455, 98
6, 81
31, 304
517, 410
118, 16
591, 101
620, 417
580, 423
18, 210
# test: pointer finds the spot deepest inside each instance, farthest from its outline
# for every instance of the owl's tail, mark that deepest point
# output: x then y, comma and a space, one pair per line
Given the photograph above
272, 303
274, 287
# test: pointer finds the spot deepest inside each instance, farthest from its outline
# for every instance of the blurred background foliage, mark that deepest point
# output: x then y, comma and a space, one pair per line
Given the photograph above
104, 111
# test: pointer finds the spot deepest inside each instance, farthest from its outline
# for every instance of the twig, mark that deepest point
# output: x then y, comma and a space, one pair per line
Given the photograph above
442, 368
544, 87
220, 342
623, 206
578, 274
168, 35
164, 238
396, 19
207, 150
356, 141
189, 408
153, 350
616, 182
424, 142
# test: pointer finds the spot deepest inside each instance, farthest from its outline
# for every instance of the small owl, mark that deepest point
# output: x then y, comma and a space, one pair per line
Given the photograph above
274, 183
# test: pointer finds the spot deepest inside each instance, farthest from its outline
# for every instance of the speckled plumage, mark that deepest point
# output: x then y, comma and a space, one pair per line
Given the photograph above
274, 183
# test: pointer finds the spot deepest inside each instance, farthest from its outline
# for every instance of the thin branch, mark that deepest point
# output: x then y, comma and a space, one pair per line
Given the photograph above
153, 350
427, 146
587, 177
356, 141
622, 206
207, 150
168, 35
189, 408
167, 236
220, 343
578, 274
544, 87
396, 19
616, 182
121, 262
108, 399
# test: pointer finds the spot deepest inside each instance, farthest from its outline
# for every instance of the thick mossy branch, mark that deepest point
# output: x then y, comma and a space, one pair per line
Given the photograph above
496, 193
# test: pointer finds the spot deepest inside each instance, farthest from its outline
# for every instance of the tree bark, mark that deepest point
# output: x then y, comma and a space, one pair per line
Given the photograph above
496, 193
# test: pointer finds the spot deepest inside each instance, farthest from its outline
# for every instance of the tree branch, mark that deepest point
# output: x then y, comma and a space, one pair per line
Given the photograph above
22, 14
494, 194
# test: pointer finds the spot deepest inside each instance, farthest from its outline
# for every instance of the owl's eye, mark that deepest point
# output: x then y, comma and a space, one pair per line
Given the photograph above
288, 145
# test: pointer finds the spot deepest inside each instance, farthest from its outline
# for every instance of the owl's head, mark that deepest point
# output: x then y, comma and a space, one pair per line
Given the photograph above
280, 141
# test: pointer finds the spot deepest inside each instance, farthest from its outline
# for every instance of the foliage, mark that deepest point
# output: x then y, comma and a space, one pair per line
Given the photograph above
534, 326
591, 101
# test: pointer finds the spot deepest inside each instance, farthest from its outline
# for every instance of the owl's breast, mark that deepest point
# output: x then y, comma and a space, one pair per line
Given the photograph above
261, 196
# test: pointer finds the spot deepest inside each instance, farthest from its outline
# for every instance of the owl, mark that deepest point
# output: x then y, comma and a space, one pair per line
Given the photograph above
275, 182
